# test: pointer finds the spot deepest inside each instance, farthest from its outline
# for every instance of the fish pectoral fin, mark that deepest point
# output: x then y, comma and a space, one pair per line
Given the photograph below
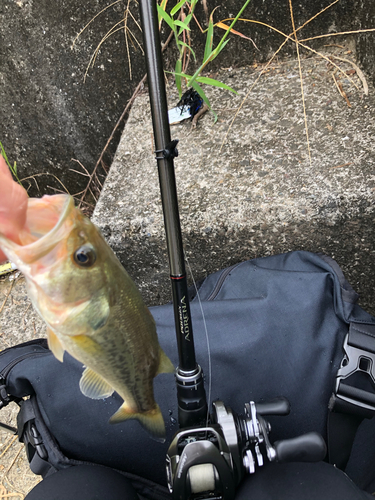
165, 364
94, 386
151, 420
55, 345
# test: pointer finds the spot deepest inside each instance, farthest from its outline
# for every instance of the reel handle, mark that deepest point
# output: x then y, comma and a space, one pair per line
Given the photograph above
309, 447
277, 406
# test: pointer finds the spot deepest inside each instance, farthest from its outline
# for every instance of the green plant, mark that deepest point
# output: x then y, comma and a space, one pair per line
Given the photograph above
180, 26
12, 169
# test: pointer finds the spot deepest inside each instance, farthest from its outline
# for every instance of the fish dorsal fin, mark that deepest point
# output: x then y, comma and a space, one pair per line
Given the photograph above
165, 364
94, 386
55, 345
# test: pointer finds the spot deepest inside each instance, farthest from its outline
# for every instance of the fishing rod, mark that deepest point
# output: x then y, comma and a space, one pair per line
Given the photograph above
192, 404
206, 459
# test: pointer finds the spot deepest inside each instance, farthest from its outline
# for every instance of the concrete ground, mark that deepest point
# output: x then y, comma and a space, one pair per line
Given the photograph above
257, 194
248, 187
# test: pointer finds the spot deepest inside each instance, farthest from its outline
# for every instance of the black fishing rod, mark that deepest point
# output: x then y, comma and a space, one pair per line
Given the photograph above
192, 404
206, 459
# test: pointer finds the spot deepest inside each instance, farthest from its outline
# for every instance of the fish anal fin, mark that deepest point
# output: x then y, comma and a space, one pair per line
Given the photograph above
151, 420
55, 345
94, 386
165, 364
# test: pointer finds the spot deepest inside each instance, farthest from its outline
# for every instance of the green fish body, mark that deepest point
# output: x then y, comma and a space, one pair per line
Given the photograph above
92, 308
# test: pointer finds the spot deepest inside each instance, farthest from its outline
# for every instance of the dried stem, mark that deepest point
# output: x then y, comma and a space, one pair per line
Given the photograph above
127, 107
301, 79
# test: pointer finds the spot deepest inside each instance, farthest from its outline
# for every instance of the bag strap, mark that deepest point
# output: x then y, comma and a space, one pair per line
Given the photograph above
354, 395
28, 433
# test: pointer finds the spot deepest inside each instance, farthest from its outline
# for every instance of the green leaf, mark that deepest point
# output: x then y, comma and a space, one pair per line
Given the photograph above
215, 53
177, 7
184, 75
3, 153
221, 47
188, 18
214, 83
186, 24
177, 77
200, 91
183, 25
222, 41
183, 44
209, 39
163, 4
167, 18
12, 169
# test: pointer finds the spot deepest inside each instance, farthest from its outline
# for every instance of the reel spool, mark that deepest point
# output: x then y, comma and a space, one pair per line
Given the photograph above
209, 462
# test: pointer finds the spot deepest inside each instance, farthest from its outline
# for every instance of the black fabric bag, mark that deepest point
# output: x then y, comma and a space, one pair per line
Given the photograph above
276, 327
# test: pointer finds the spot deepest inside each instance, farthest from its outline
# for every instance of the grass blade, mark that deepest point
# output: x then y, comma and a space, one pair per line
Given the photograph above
183, 44
177, 77
177, 7
183, 25
167, 18
12, 169
219, 49
226, 27
209, 39
214, 83
163, 6
3, 154
200, 91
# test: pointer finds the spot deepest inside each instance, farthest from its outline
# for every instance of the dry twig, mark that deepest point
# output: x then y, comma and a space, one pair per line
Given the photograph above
298, 42
9, 468
127, 107
341, 90
14, 438
359, 72
23, 316
130, 102
301, 79
343, 165
6, 298
88, 24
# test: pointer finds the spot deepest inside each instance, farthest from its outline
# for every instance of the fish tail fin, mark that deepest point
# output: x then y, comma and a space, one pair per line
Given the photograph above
151, 420
165, 364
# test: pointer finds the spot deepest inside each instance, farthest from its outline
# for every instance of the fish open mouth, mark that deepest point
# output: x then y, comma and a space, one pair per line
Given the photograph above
47, 223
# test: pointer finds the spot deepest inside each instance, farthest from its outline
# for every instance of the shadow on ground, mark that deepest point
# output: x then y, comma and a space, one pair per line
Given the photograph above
349, 241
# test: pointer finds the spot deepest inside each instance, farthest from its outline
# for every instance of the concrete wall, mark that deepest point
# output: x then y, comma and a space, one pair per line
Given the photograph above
366, 41
49, 116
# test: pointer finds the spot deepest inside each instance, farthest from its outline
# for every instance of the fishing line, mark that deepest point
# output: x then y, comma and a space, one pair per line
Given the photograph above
207, 340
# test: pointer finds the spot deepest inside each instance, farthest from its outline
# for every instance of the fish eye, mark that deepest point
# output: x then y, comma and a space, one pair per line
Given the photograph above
85, 256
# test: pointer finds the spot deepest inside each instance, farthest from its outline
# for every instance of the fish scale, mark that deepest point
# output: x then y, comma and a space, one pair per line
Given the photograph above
92, 308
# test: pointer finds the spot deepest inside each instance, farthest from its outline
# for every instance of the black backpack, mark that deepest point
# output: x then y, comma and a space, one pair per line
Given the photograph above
286, 325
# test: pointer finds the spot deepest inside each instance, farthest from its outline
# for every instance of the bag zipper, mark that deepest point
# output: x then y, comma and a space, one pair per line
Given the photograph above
5, 372
221, 280
4, 398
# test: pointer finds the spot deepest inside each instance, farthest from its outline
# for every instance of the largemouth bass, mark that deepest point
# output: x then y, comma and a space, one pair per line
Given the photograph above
92, 308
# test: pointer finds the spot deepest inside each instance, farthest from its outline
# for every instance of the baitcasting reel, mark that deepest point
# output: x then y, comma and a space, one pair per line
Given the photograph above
209, 462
